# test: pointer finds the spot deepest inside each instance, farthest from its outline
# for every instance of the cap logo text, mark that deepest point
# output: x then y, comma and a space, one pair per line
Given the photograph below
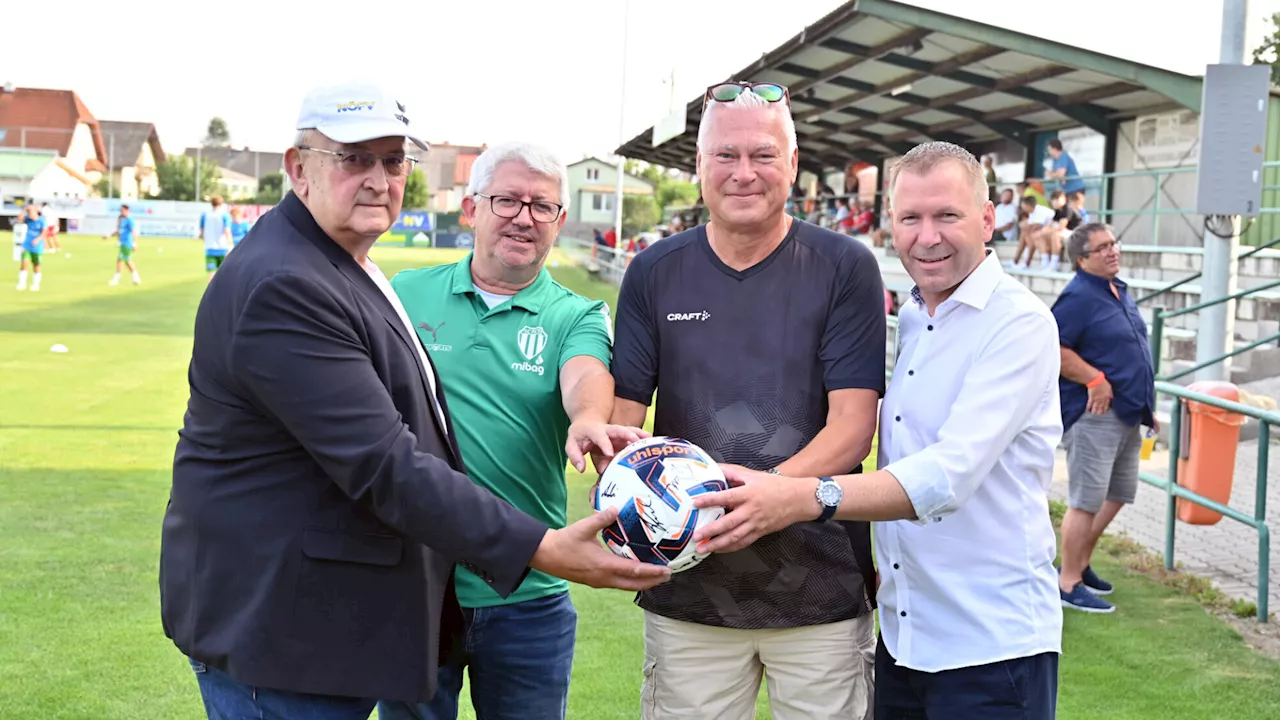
355, 105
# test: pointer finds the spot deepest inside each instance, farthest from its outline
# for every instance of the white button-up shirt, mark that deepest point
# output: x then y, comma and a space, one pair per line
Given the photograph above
968, 427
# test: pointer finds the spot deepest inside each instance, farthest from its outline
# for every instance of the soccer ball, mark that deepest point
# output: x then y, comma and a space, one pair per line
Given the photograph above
652, 483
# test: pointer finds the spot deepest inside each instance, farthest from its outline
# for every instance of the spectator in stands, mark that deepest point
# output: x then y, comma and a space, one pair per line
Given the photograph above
1076, 200
1107, 392
865, 218
1006, 218
1037, 219
990, 172
1064, 168
1051, 241
764, 339
1026, 188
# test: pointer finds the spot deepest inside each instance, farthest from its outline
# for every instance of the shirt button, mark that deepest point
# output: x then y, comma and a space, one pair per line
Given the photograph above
911, 372
931, 327
897, 418
904, 613
895, 566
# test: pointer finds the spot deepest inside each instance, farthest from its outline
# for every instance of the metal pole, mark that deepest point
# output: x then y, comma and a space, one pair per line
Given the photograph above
1260, 514
1157, 338
1171, 509
1217, 323
197, 197
111, 154
622, 117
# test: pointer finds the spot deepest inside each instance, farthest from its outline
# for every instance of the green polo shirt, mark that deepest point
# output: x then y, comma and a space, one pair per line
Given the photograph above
500, 369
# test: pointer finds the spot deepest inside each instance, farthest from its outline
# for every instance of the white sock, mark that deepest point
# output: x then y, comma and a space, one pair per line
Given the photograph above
35, 281
115, 277
136, 277
22, 278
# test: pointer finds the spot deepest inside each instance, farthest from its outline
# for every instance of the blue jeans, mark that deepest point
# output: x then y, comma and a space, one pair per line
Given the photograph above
518, 658
1019, 689
228, 699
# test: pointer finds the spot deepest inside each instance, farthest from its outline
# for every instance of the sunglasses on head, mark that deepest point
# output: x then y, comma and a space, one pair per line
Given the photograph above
728, 92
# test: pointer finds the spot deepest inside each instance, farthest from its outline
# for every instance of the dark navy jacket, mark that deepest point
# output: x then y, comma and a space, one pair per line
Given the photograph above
318, 508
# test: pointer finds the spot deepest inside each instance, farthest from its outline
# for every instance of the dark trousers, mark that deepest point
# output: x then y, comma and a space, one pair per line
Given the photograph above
1019, 689
518, 657
228, 699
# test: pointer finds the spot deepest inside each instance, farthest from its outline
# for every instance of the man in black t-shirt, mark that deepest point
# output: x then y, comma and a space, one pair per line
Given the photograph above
764, 337
1053, 238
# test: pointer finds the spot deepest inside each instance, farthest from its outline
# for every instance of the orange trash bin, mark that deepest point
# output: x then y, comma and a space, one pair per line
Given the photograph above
1209, 462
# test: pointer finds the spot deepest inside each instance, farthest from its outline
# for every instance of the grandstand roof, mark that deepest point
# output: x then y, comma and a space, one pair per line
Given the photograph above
875, 77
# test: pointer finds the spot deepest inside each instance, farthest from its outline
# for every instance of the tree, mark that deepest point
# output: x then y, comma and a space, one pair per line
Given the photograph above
217, 135
639, 213
1268, 53
102, 189
667, 190
416, 195
177, 178
270, 189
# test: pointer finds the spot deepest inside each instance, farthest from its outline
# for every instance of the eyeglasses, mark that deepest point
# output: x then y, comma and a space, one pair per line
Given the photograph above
358, 162
728, 92
509, 207
1104, 248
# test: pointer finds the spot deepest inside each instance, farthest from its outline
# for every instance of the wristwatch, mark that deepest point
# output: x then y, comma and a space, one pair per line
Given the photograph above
829, 494
773, 471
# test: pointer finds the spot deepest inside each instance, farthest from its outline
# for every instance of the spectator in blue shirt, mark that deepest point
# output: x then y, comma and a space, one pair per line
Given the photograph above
239, 226
1107, 390
1064, 168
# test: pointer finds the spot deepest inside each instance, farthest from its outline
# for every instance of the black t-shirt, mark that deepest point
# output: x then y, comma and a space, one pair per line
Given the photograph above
1071, 215
742, 363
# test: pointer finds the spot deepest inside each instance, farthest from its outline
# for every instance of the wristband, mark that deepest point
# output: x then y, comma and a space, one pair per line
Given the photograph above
1096, 381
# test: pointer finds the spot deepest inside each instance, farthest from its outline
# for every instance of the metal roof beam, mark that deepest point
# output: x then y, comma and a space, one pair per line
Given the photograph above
907, 38
1183, 89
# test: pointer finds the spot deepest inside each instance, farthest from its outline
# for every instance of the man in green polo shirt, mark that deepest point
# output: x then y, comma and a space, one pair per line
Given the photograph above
525, 368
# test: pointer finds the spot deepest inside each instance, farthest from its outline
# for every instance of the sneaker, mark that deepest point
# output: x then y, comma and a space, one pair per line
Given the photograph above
1081, 599
1096, 585
114, 281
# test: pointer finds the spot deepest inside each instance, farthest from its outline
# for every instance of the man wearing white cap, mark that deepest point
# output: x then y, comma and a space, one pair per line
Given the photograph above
319, 503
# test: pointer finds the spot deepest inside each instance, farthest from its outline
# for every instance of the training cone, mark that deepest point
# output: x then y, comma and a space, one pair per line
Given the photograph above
58, 348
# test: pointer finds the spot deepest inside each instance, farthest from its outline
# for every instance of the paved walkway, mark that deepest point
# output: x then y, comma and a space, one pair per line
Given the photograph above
1226, 553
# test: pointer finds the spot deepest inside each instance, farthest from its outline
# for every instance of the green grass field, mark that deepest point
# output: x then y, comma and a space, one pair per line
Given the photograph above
86, 442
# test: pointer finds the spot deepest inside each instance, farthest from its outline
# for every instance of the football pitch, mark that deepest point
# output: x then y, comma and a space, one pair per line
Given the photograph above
86, 446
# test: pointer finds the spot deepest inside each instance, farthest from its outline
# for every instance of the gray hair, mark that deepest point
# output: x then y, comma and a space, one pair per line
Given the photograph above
301, 138
1078, 242
922, 158
534, 157
747, 101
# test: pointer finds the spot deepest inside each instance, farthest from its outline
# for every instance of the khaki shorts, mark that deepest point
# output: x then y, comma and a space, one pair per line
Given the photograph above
819, 672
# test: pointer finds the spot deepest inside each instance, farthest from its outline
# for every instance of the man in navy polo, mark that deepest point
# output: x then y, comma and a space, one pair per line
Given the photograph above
1107, 392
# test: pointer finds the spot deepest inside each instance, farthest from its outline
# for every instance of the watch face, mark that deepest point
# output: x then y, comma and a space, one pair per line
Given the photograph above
830, 493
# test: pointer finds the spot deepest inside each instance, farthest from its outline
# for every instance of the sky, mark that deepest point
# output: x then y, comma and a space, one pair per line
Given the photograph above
484, 71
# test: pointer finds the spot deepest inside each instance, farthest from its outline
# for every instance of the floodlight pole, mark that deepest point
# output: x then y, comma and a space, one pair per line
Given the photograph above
1219, 272
622, 117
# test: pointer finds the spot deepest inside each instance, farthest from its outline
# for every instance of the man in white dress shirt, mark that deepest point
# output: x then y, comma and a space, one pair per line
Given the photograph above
970, 619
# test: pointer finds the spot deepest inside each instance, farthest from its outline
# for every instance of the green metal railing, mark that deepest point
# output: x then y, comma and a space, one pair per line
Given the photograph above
1196, 276
1170, 485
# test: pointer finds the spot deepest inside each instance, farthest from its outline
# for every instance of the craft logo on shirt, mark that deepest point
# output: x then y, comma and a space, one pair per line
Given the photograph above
434, 345
531, 341
355, 105
700, 316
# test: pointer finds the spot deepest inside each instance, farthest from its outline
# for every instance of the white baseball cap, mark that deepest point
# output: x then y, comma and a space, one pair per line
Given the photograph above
355, 112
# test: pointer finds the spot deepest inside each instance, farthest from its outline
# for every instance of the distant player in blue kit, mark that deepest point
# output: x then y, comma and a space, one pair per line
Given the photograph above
32, 248
215, 228
239, 226
125, 230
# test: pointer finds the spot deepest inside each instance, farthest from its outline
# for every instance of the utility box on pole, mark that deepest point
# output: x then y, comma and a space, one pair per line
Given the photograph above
1233, 136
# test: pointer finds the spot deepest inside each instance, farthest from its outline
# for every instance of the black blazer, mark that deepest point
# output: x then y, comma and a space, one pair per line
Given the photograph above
318, 507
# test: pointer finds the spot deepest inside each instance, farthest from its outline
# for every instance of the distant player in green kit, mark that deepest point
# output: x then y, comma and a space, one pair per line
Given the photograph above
125, 231
32, 248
